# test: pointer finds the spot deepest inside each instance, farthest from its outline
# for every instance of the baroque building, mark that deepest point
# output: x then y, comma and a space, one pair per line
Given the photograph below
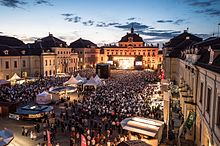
131, 52
194, 65
45, 57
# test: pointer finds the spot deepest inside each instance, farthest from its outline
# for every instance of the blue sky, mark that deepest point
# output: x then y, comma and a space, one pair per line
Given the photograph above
106, 21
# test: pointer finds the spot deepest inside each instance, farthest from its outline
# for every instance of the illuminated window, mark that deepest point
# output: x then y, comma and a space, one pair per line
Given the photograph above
45, 62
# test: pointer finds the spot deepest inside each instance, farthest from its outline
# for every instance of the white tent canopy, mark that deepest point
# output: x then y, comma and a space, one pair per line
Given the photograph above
44, 98
98, 80
90, 82
14, 77
72, 80
145, 126
79, 78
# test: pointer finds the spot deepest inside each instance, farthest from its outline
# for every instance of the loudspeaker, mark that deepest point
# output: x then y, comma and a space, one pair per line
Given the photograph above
103, 70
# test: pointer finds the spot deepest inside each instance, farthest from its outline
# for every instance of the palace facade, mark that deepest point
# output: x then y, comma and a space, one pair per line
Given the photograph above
45, 57
132, 52
194, 65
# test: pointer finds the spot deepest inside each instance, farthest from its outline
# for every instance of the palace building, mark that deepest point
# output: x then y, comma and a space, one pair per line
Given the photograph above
45, 57
131, 53
194, 65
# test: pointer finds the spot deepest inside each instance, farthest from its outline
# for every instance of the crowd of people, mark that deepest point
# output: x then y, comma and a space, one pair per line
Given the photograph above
98, 114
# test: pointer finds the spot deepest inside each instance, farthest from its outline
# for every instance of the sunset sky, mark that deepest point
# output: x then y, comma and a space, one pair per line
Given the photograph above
106, 21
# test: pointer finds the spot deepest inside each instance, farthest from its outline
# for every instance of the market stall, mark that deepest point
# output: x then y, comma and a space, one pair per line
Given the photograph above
44, 98
150, 129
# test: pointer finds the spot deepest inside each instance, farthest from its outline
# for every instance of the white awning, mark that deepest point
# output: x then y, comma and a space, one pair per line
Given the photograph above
145, 126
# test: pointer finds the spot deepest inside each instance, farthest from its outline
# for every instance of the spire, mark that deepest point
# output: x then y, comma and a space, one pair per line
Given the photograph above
132, 28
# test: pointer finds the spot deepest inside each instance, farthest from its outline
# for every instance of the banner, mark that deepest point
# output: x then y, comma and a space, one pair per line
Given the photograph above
48, 138
83, 140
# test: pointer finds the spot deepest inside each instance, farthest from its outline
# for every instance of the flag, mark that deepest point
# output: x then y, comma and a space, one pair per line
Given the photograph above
83, 140
48, 138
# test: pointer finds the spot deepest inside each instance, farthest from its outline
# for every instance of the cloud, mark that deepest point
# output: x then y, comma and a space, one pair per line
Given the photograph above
132, 18
136, 25
27, 39
212, 12
1, 32
202, 4
208, 7
88, 23
13, 3
160, 33
69, 17
102, 24
179, 21
67, 14
40, 2
164, 21
176, 22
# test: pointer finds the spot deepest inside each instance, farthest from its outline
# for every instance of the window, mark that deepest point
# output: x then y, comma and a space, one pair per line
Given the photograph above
160, 59
148, 53
101, 58
45, 73
7, 77
153, 54
45, 62
61, 52
15, 64
7, 65
209, 94
218, 112
201, 93
50, 62
58, 52
50, 72
24, 63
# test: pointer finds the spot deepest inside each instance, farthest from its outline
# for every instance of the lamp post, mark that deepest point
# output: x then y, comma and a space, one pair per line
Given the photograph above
218, 29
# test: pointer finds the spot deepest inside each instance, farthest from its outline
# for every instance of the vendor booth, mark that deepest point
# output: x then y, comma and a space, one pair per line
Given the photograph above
72, 81
6, 136
34, 111
80, 79
149, 129
90, 83
44, 98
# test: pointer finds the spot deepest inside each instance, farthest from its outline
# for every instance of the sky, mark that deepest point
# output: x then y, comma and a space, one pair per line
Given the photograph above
106, 21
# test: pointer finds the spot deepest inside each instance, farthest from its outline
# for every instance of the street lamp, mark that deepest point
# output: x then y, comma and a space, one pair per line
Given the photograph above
218, 29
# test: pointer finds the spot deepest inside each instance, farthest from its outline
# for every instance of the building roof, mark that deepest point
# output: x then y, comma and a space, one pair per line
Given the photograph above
180, 38
176, 51
136, 37
216, 61
51, 41
8, 51
212, 41
81, 43
10, 41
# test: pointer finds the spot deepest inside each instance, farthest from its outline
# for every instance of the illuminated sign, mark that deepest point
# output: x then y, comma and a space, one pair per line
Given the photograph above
138, 63
110, 62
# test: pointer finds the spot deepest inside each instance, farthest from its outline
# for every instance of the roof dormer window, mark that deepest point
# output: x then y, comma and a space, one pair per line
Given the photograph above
6, 52
23, 52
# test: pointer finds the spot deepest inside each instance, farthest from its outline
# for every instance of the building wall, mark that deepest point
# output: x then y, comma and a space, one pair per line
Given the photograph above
150, 55
210, 128
88, 57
